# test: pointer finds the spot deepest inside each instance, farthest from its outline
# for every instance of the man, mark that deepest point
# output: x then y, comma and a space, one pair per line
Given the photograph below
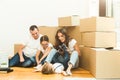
26, 54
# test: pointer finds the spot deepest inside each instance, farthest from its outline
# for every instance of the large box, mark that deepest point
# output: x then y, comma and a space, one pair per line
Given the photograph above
85, 56
101, 63
69, 21
99, 39
49, 31
97, 24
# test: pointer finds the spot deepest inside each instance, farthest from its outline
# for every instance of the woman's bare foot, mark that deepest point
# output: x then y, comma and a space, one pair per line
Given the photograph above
64, 73
68, 71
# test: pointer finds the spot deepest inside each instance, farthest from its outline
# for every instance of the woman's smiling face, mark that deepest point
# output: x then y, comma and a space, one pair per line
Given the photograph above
61, 37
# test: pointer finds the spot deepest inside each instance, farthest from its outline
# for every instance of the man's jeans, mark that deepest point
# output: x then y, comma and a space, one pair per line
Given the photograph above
15, 61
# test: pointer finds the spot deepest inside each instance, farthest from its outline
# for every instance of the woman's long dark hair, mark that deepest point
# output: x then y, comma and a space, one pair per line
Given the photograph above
57, 41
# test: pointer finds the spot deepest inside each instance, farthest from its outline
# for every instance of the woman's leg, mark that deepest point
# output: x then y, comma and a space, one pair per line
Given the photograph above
73, 60
66, 59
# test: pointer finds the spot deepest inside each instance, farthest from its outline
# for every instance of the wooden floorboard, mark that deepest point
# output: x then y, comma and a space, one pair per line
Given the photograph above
29, 74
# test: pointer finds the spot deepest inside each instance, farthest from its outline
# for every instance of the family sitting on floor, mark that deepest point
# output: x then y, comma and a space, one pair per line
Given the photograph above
39, 53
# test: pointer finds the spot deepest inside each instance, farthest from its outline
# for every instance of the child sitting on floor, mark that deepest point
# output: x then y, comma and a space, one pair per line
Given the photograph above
46, 46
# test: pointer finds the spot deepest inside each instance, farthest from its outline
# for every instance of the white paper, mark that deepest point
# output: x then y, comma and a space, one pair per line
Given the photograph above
3, 59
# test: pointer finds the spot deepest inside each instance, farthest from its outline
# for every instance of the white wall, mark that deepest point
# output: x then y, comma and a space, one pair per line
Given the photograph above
113, 9
17, 15
116, 14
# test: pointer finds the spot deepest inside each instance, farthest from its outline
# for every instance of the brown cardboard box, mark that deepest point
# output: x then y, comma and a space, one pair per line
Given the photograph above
99, 39
49, 31
101, 63
16, 47
97, 24
85, 56
69, 21
74, 32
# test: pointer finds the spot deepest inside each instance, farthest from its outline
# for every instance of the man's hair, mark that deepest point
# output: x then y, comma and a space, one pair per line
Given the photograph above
46, 69
33, 27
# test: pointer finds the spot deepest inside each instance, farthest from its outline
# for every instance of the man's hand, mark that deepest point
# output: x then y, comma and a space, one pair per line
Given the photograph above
22, 59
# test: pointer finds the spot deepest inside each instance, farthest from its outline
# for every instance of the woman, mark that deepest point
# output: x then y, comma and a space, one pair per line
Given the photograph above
45, 49
71, 44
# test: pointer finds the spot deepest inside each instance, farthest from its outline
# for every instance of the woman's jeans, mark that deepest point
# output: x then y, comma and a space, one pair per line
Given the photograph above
63, 59
15, 61
73, 57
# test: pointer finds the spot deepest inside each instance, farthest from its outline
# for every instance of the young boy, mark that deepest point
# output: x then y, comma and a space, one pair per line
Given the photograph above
49, 68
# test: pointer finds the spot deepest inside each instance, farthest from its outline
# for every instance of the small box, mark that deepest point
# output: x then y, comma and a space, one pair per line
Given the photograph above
69, 21
99, 39
101, 63
97, 24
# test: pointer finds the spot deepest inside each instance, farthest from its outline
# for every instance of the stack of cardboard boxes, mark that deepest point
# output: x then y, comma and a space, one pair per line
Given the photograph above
98, 38
97, 35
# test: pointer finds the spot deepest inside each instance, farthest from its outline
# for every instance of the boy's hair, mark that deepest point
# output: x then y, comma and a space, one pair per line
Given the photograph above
47, 69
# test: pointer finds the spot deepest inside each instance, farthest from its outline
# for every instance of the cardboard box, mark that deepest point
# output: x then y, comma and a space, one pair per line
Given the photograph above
85, 56
49, 31
99, 39
16, 47
101, 63
74, 32
69, 21
97, 24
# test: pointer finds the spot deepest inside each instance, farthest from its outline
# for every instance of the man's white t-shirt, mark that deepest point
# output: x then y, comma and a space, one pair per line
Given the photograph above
31, 46
49, 45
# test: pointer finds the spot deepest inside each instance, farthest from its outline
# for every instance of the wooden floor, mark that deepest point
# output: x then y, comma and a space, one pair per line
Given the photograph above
29, 74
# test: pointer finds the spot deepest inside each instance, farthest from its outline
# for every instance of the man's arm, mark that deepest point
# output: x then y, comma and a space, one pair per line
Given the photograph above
20, 53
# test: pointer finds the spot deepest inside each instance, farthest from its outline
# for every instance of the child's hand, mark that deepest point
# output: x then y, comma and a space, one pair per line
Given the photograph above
39, 61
